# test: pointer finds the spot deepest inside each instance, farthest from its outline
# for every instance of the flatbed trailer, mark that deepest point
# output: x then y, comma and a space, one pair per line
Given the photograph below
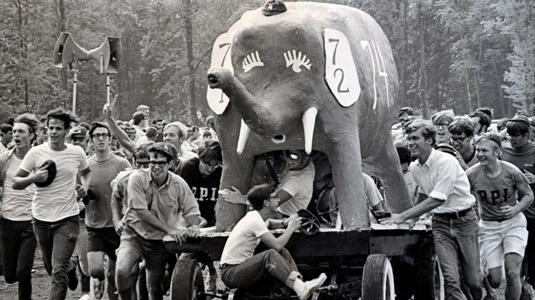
381, 262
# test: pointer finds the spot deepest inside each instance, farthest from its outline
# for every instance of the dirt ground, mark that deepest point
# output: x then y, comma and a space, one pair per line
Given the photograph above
41, 285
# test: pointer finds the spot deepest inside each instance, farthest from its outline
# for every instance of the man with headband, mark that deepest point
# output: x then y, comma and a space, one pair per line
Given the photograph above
502, 229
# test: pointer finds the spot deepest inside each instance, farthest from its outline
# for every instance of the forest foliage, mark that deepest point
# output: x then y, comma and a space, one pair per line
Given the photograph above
450, 54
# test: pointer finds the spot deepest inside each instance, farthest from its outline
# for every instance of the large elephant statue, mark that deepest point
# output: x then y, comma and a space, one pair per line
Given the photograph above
309, 76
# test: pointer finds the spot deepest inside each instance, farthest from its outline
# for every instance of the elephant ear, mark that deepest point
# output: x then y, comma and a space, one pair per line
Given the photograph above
221, 57
340, 70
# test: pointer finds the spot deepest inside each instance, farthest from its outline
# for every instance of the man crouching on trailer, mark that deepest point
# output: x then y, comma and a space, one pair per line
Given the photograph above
241, 268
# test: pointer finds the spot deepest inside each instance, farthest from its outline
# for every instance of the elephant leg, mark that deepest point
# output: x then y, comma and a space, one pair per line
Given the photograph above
237, 172
386, 166
346, 164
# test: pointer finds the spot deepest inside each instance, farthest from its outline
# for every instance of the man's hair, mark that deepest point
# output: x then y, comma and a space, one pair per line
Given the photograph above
182, 129
66, 116
484, 119
6, 128
443, 116
142, 107
460, 126
85, 125
210, 150
138, 116
490, 136
152, 132
258, 194
96, 125
517, 127
31, 121
429, 131
485, 110
207, 134
406, 110
140, 152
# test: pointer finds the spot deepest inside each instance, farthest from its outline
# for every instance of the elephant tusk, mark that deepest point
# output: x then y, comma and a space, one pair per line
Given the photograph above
309, 121
242, 139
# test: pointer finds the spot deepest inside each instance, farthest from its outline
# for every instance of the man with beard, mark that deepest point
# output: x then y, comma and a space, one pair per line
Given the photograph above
520, 151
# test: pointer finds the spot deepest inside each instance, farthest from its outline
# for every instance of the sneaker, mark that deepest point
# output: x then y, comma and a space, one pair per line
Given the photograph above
98, 288
211, 284
73, 279
527, 291
311, 286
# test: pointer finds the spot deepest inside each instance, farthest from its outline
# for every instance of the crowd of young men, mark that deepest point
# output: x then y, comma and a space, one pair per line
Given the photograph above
493, 234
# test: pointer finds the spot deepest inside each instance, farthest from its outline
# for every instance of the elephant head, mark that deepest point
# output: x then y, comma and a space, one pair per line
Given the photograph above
307, 76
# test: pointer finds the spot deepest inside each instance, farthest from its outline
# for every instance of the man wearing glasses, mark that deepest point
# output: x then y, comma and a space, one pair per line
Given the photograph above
462, 139
156, 199
101, 236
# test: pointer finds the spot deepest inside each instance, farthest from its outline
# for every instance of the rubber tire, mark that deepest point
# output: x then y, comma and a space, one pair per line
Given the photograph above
429, 279
378, 279
187, 282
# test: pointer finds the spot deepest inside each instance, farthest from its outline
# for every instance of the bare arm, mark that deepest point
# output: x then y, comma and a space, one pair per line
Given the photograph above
526, 198
23, 178
117, 209
279, 242
421, 208
283, 196
116, 131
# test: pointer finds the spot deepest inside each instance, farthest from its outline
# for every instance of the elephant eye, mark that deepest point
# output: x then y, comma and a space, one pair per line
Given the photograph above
296, 60
252, 60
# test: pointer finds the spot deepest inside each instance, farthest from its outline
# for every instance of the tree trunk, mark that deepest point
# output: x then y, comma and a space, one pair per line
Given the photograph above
191, 68
60, 14
404, 55
469, 95
422, 80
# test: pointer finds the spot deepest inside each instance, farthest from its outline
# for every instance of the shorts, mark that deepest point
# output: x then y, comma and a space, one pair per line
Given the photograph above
103, 240
152, 251
498, 238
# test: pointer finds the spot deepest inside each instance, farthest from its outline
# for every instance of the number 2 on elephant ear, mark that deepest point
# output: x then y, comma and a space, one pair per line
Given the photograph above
340, 71
221, 57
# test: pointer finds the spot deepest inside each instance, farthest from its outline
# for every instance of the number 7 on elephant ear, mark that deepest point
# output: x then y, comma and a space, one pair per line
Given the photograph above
221, 57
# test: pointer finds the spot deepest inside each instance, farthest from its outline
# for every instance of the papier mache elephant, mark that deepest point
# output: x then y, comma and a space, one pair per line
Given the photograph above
309, 76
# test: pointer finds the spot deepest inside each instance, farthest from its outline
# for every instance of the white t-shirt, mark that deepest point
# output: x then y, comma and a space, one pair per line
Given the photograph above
16, 204
56, 201
244, 239
299, 184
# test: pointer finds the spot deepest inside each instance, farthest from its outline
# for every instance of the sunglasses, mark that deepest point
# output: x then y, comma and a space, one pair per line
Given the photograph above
160, 164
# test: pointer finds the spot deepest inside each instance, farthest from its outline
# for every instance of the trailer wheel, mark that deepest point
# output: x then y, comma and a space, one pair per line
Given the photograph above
378, 279
187, 281
429, 279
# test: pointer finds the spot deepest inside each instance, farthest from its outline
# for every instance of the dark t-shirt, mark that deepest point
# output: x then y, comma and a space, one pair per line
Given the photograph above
524, 159
204, 188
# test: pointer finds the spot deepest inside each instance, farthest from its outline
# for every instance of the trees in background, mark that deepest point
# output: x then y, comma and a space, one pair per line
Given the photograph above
450, 54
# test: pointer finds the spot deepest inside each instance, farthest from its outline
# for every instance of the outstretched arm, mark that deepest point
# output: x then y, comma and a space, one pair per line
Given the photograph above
117, 132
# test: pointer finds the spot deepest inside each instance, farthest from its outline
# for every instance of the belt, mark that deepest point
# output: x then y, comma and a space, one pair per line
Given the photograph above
454, 215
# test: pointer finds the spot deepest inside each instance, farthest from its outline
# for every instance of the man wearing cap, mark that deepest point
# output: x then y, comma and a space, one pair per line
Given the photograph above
16, 233
520, 151
503, 236
53, 167
455, 226
78, 137
101, 236
156, 199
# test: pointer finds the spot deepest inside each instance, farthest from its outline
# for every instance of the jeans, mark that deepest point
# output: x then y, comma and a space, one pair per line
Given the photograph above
456, 244
18, 243
260, 267
57, 241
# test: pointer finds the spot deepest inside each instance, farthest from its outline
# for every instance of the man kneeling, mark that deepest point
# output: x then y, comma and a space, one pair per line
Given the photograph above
241, 268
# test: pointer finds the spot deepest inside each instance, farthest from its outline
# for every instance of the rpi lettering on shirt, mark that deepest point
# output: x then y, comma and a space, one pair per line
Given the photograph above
205, 194
494, 198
